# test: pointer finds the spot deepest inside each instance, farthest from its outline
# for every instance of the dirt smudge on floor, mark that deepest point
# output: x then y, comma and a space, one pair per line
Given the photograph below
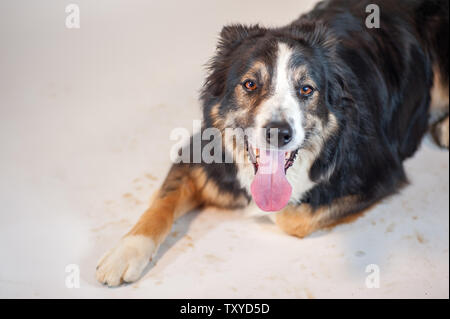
122, 222
151, 177
213, 258
390, 228
420, 238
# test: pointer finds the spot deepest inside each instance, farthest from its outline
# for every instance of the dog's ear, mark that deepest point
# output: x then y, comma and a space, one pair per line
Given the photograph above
231, 37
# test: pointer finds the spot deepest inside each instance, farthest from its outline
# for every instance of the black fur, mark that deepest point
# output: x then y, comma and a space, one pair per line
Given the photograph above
392, 67
377, 84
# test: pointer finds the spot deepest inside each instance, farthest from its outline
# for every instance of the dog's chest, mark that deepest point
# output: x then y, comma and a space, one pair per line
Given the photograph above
297, 175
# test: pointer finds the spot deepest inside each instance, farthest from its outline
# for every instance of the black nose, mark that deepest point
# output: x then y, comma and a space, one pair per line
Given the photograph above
278, 132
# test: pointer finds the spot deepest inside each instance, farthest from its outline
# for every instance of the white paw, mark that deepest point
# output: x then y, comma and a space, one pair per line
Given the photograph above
125, 262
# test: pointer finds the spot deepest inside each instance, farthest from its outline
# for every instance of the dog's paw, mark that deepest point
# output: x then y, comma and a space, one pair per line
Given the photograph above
125, 262
441, 133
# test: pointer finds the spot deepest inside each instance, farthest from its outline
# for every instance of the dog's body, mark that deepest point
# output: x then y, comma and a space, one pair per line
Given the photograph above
351, 104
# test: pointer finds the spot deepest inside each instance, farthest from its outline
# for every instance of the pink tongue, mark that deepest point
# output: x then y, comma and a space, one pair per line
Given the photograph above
270, 189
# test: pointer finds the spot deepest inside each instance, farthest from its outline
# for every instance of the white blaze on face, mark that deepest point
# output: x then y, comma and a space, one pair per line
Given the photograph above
283, 105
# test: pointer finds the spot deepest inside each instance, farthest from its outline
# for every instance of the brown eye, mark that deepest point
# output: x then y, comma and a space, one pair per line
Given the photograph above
306, 91
249, 85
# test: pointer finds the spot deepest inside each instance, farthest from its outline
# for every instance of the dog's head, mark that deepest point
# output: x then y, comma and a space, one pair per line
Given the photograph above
282, 88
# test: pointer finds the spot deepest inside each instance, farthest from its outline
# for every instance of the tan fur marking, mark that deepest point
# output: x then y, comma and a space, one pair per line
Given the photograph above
323, 133
298, 222
251, 102
176, 197
303, 220
301, 75
209, 194
439, 94
184, 189
439, 109
215, 116
257, 68
441, 132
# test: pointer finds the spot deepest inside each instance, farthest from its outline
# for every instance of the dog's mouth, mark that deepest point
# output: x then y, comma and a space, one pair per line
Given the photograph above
270, 188
254, 157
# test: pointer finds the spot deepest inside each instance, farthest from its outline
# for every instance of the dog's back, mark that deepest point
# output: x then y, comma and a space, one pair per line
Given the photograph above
407, 53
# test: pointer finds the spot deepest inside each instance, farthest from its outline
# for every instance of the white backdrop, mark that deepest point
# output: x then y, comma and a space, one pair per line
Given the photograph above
85, 117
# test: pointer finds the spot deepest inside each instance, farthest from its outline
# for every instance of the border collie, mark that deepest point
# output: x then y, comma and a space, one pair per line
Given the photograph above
330, 109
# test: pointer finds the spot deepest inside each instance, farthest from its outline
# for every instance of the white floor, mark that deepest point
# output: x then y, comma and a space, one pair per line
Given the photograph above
85, 118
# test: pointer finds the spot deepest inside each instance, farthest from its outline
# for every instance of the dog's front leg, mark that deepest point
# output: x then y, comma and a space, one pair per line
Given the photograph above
302, 220
126, 262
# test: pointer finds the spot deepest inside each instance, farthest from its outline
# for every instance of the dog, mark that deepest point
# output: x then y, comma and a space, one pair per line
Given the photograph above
334, 109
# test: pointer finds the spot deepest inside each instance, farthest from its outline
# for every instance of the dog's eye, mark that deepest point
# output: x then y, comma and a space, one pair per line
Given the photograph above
250, 85
306, 91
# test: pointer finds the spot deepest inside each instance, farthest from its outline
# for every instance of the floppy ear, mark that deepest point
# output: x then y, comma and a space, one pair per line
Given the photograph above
231, 37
